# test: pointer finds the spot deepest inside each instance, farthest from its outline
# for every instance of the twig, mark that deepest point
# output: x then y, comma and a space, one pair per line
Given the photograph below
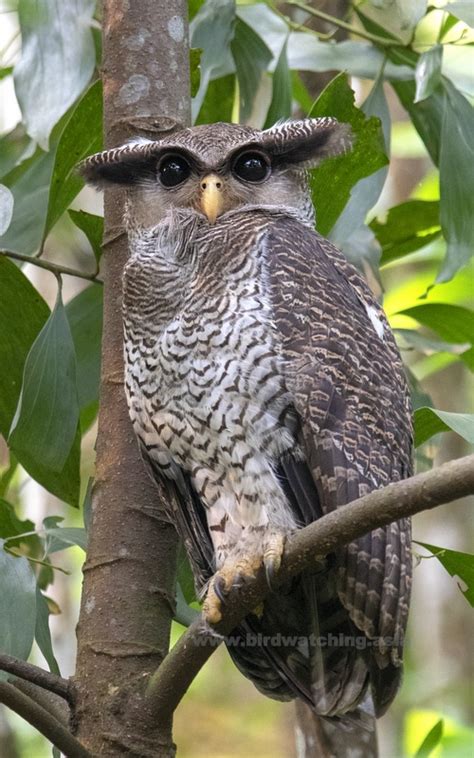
36, 675
382, 41
52, 703
401, 499
43, 721
54, 268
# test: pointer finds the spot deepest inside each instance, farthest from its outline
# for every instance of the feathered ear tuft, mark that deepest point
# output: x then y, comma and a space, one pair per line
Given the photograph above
128, 164
305, 143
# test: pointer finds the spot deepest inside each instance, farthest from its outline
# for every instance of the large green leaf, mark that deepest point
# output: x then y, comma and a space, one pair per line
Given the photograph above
431, 741
280, 106
23, 313
42, 632
212, 30
93, 228
251, 57
431, 421
56, 63
17, 606
452, 322
218, 102
81, 136
343, 172
84, 313
408, 227
456, 173
457, 564
47, 415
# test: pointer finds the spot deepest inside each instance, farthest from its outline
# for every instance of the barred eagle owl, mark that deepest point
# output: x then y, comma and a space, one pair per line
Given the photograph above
265, 387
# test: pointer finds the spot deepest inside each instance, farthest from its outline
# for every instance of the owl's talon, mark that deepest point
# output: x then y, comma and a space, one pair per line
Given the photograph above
273, 551
220, 588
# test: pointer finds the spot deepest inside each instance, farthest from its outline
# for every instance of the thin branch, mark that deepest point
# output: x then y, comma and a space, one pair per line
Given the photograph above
382, 41
43, 721
35, 675
52, 703
54, 268
381, 507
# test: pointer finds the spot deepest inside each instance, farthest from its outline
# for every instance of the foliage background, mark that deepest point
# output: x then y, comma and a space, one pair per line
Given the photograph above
406, 223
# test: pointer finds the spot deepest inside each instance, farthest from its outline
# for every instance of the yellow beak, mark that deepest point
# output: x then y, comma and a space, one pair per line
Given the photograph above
211, 198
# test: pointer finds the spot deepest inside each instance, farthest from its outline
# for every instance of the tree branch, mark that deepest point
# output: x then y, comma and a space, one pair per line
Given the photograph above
35, 675
53, 268
379, 508
43, 721
381, 41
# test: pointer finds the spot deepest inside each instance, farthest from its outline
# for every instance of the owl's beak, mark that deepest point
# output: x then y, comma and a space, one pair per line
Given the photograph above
211, 197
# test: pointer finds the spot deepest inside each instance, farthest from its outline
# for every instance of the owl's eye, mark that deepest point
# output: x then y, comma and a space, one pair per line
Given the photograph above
173, 170
251, 167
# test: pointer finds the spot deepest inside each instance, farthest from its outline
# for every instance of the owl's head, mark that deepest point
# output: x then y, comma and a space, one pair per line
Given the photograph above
219, 167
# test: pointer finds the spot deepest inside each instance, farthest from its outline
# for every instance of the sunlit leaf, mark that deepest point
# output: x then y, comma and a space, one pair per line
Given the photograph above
56, 63
431, 421
431, 741
280, 106
42, 632
342, 173
81, 136
452, 322
93, 228
18, 616
428, 72
408, 227
456, 564
23, 313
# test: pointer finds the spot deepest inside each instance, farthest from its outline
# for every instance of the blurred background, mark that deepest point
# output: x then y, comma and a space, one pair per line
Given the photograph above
223, 716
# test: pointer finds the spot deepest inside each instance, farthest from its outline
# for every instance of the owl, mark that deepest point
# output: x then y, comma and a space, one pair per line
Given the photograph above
265, 388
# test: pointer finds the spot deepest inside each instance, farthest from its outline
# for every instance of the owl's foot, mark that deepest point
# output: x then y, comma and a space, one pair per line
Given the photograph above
241, 567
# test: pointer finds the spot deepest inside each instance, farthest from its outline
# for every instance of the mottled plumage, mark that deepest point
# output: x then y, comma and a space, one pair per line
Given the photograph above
265, 386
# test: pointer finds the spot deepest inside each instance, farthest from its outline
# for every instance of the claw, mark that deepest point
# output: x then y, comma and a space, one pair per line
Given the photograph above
272, 557
220, 588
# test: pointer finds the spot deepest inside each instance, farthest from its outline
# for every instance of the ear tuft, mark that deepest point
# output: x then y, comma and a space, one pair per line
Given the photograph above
305, 143
127, 164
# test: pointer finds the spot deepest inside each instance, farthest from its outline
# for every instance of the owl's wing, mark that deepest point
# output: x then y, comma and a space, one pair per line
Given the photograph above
349, 391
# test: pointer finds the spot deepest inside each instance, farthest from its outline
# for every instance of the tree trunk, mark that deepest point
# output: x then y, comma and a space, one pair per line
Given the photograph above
129, 576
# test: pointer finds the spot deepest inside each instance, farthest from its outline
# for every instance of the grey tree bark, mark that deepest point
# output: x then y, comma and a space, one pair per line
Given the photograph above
129, 576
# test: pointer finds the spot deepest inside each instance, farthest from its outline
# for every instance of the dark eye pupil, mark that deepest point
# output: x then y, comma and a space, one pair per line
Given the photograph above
173, 171
251, 167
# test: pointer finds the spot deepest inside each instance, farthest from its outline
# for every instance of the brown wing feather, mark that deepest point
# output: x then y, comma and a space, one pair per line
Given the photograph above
351, 396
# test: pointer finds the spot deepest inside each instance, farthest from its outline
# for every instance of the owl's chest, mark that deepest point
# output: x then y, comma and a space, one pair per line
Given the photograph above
210, 375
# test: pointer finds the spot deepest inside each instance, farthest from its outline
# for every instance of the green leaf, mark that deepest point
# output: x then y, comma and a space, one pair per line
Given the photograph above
251, 57
408, 227
280, 106
18, 606
4, 72
84, 313
432, 740
456, 182
23, 313
13, 528
195, 72
56, 63
300, 93
431, 421
81, 136
342, 173
42, 632
93, 228
428, 72
185, 577
47, 415
218, 102
212, 30
456, 564
12, 149
452, 322
61, 538
464, 11
184, 614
